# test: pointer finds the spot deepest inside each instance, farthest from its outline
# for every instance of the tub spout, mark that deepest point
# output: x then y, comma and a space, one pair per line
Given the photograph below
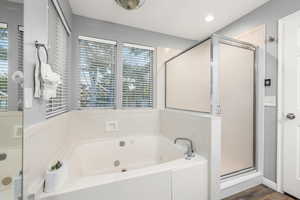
190, 149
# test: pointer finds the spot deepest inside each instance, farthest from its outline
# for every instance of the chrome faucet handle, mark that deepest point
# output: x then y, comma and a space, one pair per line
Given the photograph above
190, 151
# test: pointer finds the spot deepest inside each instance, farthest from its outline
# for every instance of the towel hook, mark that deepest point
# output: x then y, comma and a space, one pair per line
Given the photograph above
38, 46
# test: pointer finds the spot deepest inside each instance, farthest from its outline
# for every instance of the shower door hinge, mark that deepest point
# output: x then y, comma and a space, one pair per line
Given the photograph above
217, 109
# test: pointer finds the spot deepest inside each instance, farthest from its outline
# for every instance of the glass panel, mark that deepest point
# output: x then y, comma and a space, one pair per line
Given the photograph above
11, 99
237, 105
188, 80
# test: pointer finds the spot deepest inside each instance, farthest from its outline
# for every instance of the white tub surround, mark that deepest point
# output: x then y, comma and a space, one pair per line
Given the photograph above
11, 151
43, 144
131, 168
90, 123
153, 164
205, 132
11, 129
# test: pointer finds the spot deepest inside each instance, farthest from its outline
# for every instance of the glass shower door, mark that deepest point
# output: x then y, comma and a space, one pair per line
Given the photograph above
237, 100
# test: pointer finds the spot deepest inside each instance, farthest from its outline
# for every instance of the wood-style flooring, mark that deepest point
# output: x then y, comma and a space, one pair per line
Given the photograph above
260, 192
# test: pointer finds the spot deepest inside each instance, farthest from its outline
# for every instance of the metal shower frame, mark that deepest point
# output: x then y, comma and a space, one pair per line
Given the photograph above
215, 108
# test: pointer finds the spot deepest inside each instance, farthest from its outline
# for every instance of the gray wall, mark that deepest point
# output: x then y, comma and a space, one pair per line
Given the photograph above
12, 14
36, 28
105, 30
268, 14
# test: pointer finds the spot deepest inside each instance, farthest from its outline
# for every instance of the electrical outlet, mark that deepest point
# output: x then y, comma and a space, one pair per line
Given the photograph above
111, 126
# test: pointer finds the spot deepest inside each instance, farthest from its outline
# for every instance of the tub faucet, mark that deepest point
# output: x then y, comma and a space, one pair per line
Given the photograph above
190, 149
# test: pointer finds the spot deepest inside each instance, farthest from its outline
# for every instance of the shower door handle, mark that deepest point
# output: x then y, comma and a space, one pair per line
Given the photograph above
291, 116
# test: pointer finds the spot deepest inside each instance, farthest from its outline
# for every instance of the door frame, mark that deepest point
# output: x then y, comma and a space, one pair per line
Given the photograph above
280, 132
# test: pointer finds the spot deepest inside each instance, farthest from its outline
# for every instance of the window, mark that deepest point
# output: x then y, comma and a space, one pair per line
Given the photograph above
58, 61
3, 67
137, 76
99, 78
97, 72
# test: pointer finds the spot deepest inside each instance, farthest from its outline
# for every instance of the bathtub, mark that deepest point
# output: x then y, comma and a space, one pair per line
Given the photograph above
131, 168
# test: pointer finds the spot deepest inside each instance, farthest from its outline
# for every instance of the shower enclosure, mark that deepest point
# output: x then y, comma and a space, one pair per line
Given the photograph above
217, 77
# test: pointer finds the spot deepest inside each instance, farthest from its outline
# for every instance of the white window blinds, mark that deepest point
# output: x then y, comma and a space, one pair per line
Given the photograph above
97, 72
137, 76
58, 60
20, 40
3, 67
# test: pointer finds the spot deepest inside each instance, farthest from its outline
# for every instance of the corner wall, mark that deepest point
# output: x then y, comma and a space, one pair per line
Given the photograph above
205, 132
36, 28
83, 26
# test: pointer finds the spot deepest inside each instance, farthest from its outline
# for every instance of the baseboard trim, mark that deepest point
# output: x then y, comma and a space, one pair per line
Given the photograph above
269, 183
239, 184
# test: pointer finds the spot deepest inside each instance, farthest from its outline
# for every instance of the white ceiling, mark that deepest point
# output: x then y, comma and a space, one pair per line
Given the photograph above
182, 18
17, 1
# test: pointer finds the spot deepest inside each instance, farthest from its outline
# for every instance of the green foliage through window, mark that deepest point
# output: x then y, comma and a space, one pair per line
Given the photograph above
137, 77
98, 77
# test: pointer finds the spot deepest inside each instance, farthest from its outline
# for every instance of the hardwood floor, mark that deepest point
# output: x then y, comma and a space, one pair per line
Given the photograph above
260, 192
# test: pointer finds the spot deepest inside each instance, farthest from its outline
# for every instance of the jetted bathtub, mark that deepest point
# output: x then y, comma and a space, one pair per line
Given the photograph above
132, 168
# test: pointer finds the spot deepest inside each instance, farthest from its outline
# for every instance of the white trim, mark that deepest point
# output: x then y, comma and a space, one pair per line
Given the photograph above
61, 16
270, 101
279, 108
242, 183
269, 183
237, 180
97, 40
260, 110
215, 155
138, 46
3, 25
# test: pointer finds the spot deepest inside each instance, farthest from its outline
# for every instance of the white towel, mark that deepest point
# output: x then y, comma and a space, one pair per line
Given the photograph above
37, 81
51, 80
48, 75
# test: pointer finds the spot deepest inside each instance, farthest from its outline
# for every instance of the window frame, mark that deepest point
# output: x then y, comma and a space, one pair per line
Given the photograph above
138, 46
114, 69
119, 75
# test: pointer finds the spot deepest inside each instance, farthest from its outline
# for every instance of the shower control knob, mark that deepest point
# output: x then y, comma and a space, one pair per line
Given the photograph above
291, 116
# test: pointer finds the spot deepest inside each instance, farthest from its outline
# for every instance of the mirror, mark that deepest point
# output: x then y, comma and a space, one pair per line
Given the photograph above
11, 99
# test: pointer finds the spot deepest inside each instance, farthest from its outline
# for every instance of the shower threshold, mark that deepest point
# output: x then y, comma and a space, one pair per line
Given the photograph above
238, 173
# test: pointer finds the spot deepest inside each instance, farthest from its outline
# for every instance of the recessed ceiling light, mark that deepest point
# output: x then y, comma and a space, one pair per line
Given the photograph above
209, 18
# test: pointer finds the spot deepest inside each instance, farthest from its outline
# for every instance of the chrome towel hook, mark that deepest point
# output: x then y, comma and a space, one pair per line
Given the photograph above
38, 46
